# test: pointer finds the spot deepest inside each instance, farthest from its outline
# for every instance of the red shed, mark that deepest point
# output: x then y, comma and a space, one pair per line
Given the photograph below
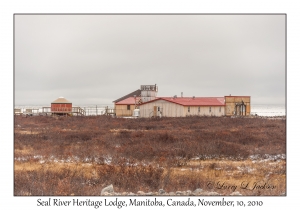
61, 105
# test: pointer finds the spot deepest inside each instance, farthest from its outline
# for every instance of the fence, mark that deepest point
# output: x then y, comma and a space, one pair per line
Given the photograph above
41, 110
83, 110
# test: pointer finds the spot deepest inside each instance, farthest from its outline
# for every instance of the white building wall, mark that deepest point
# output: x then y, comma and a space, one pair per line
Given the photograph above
148, 95
205, 110
148, 92
167, 109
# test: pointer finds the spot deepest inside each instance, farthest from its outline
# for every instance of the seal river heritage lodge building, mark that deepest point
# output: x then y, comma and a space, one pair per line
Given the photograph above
145, 103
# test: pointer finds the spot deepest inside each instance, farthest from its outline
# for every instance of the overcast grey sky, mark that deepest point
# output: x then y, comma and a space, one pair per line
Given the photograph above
95, 59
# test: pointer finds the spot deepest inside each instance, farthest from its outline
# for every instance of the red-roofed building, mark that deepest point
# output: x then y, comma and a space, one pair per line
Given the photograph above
61, 106
150, 105
183, 106
125, 105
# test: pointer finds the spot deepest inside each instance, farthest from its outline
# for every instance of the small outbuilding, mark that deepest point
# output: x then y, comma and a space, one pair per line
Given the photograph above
126, 107
61, 106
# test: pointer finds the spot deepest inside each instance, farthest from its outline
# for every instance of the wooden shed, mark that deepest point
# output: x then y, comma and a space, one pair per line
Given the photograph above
125, 107
61, 106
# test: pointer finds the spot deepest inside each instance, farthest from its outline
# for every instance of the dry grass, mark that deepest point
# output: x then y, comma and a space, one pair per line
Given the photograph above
231, 173
81, 155
196, 174
82, 179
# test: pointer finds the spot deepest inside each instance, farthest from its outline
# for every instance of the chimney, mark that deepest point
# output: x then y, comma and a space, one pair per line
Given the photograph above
181, 94
193, 97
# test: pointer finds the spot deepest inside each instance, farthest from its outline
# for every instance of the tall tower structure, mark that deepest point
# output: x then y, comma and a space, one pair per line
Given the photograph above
148, 92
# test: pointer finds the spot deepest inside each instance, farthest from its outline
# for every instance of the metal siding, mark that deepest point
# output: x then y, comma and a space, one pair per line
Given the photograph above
174, 110
197, 101
148, 92
204, 111
168, 109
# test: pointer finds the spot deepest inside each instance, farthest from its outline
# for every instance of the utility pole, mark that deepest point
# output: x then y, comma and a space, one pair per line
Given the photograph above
134, 101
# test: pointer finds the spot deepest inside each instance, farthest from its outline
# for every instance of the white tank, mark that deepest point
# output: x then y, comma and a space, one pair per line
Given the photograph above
136, 113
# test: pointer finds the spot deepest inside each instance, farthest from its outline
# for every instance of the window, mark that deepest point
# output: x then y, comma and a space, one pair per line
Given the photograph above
189, 108
158, 109
128, 107
220, 109
199, 109
209, 109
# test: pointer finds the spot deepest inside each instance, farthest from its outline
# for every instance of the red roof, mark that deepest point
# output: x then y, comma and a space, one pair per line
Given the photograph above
136, 93
61, 100
128, 101
197, 101
239, 96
